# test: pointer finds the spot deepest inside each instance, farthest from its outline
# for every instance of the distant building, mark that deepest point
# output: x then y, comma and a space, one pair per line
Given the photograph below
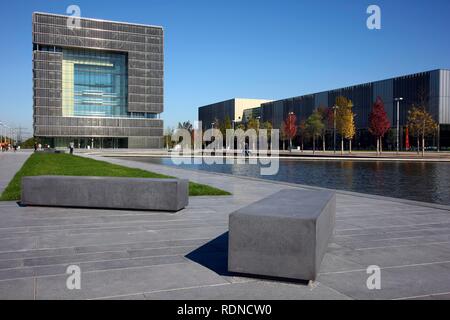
99, 85
233, 109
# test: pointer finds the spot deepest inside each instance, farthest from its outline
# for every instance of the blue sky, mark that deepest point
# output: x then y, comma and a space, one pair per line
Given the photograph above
216, 50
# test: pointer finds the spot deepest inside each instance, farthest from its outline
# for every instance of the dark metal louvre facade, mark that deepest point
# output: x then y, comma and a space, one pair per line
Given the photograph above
363, 96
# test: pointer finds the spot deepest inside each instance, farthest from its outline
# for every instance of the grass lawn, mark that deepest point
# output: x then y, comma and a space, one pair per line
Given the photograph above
69, 165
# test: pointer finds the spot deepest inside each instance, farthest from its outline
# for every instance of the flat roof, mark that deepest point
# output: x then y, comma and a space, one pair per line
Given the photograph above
234, 99
99, 20
359, 84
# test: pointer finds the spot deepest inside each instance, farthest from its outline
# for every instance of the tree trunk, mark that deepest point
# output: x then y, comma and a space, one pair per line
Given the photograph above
342, 146
284, 144
290, 144
350, 146
418, 144
302, 146
423, 145
314, 145
378, 146
381, 145
323, 143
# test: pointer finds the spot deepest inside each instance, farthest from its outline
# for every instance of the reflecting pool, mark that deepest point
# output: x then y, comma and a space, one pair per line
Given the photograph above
421, 181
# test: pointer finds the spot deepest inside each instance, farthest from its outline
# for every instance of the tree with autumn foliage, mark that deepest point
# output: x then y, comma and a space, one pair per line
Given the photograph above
421, 124
290, 127
379, 123
345, 121
253, 123
303, 133
315, 126
226, 125
267, 125
187, 125
349, 128
327, 119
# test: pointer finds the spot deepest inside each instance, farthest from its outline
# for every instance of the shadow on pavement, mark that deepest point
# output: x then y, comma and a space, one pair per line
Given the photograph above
213, 255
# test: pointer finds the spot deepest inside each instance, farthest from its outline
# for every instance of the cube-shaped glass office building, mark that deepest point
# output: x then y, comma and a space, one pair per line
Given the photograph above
97, 83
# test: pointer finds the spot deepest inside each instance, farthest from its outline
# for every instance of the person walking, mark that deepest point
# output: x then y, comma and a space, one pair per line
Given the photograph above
246, 151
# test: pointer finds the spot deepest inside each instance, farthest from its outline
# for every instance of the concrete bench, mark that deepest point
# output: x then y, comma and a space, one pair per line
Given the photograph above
284, 235
105, 192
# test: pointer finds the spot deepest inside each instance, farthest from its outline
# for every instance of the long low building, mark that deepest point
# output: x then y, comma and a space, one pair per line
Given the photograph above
98, 83
431, 88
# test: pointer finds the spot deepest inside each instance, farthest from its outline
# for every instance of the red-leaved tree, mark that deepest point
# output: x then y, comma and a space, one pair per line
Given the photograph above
290, 127
378, 122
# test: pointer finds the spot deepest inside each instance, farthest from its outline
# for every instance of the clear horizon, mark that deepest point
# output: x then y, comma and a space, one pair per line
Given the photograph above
225, 49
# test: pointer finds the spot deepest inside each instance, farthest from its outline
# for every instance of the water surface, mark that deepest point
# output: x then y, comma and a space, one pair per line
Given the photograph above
421, 181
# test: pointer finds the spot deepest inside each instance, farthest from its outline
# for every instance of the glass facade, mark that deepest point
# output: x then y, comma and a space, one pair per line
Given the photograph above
94, 83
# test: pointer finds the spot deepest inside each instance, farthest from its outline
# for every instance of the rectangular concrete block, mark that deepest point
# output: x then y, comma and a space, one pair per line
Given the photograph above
106, 192
284, 235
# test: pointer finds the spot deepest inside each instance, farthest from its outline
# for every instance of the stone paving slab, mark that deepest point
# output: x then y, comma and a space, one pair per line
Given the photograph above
160, 255
259, 290
401, 281
17, 289
128, 280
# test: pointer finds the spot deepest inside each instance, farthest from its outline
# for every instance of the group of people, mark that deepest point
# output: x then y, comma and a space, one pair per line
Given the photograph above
5, 146
37, 146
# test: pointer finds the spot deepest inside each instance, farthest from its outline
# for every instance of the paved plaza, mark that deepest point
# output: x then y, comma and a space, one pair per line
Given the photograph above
160, 255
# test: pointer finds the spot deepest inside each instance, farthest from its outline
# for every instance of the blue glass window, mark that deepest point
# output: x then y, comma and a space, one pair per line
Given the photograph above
94, 83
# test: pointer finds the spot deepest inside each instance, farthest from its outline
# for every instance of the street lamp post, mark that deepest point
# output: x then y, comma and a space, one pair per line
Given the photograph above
334, 127
398, 122
257, 132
